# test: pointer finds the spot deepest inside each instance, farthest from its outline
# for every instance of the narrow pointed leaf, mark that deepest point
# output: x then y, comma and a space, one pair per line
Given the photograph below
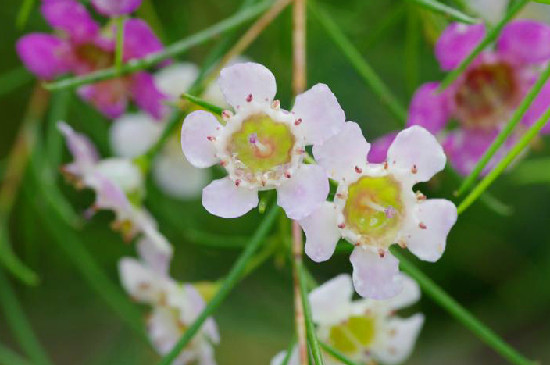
441, 8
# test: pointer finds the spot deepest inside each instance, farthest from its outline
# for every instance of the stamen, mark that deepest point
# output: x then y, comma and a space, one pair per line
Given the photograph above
342, 225
298, 121
420, 196
276, 104
385, 165
255, 141
238, 182
422, 225
414, 170
381, 253
358, 169
226, 114
211, 138
288, 175
249, 98
390, 212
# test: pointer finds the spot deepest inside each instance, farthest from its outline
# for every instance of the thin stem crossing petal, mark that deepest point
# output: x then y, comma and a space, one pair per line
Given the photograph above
441, 8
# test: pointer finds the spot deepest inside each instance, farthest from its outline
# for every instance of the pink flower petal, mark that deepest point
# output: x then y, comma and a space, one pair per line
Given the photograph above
321, 229
84, 152
116, 7
456, 42
321, 114
158, 260
109, 96
435, 219
340, 154
147, 96
539, 106
139, 40
197, 131
416, 150
71, 17
379, 148
525, 41
239, 81
428, 108
44, 55
224, 199
303, 192
375, 277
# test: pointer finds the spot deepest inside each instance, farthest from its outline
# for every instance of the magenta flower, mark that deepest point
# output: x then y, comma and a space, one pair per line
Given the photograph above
484, 97
80, 46
116, 7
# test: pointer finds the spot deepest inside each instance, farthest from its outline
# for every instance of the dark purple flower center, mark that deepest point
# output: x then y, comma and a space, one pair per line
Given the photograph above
486, 95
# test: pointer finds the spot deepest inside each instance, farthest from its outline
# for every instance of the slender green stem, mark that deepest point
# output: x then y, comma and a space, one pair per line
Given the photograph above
203, 103
358, 62
9, 357
230, 281
169, 52
10, 261
505, 132
58, 112
310, 326
337, 354
491, 35
514, 152
441, 8
19, 324
13, 79
459, 312
23, 14
119, 50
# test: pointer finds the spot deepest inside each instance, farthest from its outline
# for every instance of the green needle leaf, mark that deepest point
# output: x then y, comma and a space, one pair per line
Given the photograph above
203, 104
459, 312
23, 14
11, 262
119, 22
230, 281
491, 35
13, 79
358, 62
506, 131
169, 52
310, 326
505, 162
19, 324
9, 357
440, 8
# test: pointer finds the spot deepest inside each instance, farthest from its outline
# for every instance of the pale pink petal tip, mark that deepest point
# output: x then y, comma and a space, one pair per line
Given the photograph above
224, 199
375, 276
246, 82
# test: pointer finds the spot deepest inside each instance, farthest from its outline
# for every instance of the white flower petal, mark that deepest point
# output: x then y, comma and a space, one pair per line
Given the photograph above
330, 302
224, 199
321, 114
340, 154
280, 357
177, 177
84, 152
132, 134
400, 339
435, 219
321, 231
141, 283
303, 192
176, 79
121, 172
158, 260
408, 296
375, 277
416, 150
239, 81
197, 128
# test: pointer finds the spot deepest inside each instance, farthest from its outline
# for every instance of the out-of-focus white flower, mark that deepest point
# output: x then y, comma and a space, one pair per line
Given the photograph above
174, 307
494, 10
262, 146
118, 184
375, 207
365, 330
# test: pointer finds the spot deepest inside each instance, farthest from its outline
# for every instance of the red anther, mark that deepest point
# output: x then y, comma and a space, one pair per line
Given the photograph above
358, 169
357, 244
288, 175
414, 170
211, 138
264, 182
420, 196
276, 104
226, 114
422, 225
298, 121
238, 182
342, 225
381, 253
402, 244
300, 151
249, 98
223, 163
385, 165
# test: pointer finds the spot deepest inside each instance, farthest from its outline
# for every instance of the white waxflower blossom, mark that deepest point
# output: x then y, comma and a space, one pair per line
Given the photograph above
260, 145
375, 206
366, 331
118, 184
494, 10
174, 307
134, 133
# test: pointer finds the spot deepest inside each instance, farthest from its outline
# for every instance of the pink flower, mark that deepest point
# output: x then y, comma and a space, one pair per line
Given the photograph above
114, 8
485, 96
375, 206
83, 47
273, 158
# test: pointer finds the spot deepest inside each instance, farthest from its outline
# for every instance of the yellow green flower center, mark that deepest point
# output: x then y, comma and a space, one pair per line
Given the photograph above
374, 208
354, 335
262, 144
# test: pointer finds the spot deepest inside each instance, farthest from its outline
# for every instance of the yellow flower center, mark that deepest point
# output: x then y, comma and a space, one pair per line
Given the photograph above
262, 144
354, 335
374, 209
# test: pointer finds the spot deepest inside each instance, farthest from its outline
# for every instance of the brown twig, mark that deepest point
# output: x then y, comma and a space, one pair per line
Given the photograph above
298, 86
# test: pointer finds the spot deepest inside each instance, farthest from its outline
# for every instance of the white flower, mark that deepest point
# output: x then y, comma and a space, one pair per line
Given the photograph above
118, 184
262, 146
375, 206
366, 330
174, 308
494, 10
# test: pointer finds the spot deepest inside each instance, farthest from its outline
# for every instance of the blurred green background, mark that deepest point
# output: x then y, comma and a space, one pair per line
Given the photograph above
497, 266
